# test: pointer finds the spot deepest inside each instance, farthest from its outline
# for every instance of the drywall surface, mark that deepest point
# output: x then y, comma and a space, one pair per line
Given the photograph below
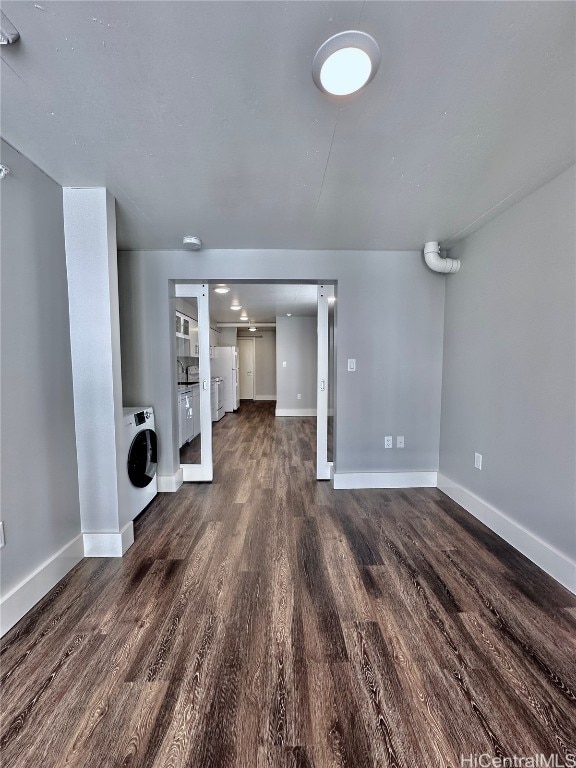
390, 318
264, 363
296, 362
39, 496
509, 364
228, 337
90, 232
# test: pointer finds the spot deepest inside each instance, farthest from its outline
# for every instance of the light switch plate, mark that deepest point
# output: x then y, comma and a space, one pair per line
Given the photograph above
351, 364
400, 441
2, 539
478, 460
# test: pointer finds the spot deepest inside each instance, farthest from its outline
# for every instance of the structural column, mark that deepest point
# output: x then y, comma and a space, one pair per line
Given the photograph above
91, 263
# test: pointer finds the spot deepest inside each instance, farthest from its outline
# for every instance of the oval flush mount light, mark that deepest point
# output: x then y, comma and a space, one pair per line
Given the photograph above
346, 62
236, 307
222, 289
252, 329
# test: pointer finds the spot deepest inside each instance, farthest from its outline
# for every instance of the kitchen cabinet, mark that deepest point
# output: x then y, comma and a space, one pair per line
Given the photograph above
196, 409
185, 417
214, 400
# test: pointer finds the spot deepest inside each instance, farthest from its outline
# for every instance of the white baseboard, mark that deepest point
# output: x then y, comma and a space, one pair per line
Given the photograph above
264, 397
25, 595
109, 544
295, 411
170, 483
547, 557
342, 480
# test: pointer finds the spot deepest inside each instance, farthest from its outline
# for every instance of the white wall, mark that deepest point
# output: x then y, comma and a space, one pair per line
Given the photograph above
509, 377
39, 493
396, 388
227, 337
264, 362
296, 346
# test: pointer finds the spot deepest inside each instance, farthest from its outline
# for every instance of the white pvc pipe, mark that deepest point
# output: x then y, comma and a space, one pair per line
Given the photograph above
436, 262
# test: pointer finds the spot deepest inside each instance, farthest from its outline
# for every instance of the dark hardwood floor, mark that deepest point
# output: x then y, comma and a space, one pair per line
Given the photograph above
267, 620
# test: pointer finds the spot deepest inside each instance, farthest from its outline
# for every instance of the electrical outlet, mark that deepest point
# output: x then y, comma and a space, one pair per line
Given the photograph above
388, 441
2, 539
351, 364
299, 397
400, 441
478, 460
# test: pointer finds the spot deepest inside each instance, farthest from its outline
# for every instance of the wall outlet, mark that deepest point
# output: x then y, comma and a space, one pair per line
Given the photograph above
400, 441
299, 397
478, 460
351, 364
2, 539
388, 441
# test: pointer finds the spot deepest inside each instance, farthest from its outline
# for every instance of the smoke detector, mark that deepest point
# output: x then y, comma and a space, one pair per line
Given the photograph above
193, 242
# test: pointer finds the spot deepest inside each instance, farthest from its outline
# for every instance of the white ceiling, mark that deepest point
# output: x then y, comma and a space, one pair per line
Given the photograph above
263, 302
202, 117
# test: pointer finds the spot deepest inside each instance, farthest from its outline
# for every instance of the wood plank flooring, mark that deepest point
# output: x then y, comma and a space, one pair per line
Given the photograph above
265, 620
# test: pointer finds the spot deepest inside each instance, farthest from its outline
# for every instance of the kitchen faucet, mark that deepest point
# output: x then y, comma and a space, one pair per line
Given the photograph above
181, 364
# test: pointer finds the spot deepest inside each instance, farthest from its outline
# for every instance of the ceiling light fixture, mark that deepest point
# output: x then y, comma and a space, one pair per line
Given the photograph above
236, 307
346, 62
8, 32
244, 318
288, 314
252, 329
221, 289
193, 242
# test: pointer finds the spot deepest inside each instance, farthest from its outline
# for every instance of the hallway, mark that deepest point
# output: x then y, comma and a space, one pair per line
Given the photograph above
267, 620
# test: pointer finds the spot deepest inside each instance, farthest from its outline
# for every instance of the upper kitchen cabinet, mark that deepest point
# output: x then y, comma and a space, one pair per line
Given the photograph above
186, 336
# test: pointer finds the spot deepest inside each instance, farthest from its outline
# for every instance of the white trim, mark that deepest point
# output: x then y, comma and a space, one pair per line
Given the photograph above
112, 544
322, 465
170, 483
264, 397
295, 412
24, 596
343, 480
546, 556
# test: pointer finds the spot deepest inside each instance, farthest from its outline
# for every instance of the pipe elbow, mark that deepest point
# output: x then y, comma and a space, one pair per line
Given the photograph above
436, 263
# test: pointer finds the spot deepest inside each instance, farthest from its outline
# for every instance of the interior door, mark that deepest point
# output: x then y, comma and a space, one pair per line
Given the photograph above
246, 370
200, 466
324, 383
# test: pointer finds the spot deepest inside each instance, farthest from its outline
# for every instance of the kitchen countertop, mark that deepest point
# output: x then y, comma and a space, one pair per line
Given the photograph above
182, 385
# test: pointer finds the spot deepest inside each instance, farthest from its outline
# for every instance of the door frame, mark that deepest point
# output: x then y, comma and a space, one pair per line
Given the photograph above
204, 471
253, 340
323, 466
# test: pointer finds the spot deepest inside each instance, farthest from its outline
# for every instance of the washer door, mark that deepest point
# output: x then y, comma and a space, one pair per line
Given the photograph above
142, 458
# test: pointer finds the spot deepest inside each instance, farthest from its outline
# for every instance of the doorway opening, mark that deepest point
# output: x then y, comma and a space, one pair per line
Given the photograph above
240, 342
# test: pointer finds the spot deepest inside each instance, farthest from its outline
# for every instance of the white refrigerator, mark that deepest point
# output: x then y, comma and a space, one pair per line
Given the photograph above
225, 365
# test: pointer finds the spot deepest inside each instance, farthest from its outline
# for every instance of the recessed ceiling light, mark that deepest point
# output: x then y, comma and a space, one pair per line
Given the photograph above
288, 314
236, 307
252, 329
244, 318
346, 62
221, 289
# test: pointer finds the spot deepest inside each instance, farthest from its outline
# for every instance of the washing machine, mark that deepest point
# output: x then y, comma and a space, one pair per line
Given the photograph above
141, 458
